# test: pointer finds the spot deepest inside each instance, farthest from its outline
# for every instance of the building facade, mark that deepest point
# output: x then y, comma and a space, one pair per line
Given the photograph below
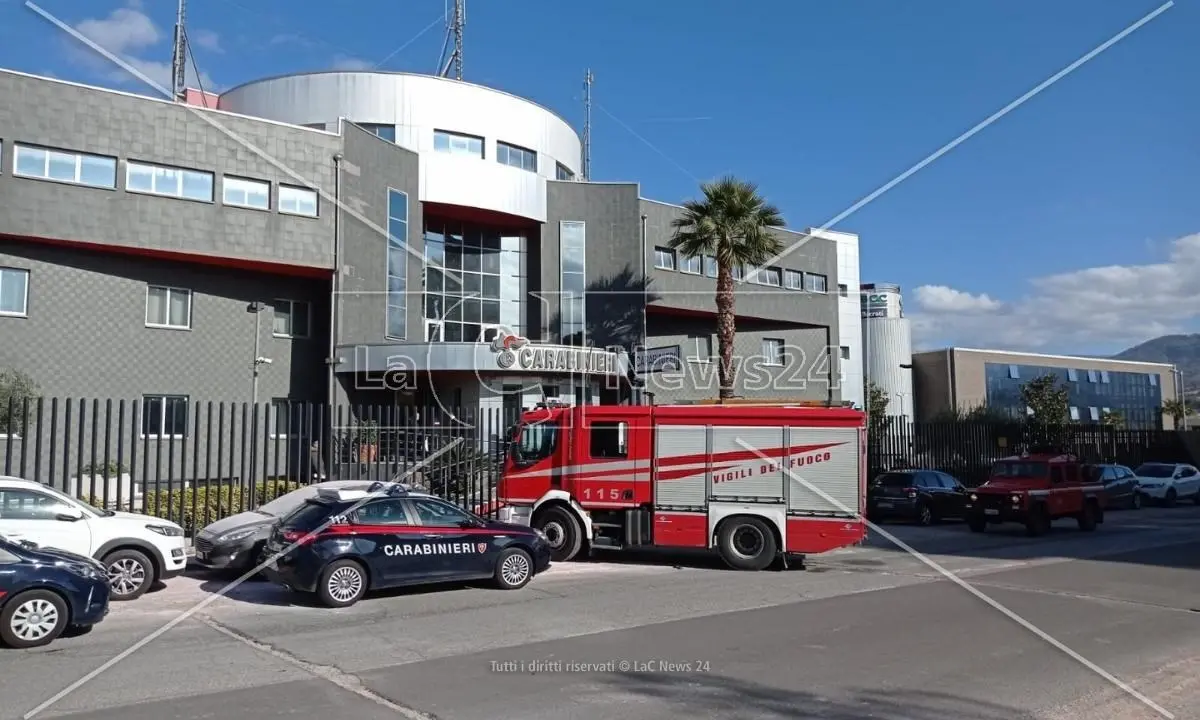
967, 378
364, 238
887, 344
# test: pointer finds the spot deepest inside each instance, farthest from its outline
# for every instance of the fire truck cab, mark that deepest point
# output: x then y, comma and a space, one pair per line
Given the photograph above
755, 482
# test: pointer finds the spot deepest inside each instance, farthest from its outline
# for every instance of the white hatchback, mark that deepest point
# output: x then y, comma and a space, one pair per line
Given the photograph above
136, 550
1169, 482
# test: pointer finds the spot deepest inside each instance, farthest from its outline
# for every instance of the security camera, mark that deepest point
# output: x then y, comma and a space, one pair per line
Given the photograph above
262, 361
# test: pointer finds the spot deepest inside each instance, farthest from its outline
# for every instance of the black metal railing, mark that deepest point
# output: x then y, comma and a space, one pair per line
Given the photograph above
196, 463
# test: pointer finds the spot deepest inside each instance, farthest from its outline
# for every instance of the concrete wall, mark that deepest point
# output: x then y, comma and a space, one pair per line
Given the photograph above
78, 118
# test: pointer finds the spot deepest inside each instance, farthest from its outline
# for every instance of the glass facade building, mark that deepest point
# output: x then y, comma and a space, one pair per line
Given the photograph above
472, 279
1136, 396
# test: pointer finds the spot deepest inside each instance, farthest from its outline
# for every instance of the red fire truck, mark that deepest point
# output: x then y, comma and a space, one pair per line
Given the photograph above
755, 482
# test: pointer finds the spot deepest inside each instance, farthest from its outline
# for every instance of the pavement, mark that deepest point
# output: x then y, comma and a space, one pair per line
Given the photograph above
866, 632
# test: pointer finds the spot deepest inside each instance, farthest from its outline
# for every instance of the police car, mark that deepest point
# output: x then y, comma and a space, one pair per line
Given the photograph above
344, 542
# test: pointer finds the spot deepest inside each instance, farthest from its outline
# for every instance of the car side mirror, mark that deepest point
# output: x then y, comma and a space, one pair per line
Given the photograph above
468, 523
68, 515
28, 544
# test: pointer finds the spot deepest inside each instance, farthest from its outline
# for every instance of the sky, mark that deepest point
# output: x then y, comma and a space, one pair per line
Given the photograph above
1071, 224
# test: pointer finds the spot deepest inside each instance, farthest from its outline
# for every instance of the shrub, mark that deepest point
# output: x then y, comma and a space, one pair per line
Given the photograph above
195, 507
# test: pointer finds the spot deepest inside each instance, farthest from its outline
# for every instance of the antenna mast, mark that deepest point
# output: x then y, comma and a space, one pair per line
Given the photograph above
587, 125
179, 55
454, 29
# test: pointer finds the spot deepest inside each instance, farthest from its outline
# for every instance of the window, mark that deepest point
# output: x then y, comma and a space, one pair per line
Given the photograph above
1072, 375
456, 144
1074, 413
768, 276
168, 181
739, 272
435, 513
572, 261
1152, 376
472, 281
397, 265
382, 512
387, 132
561, 172
845, 352
287, 417
700, 347
609, 439
69, 167
843, 290
168, 307
664, 258
793, 279
297, 201
710, 266
246, 193
1104, 376
30, 505
772, 350
516, 156
1094, 414
1014, 372
691, 264
164, 416
814, 282
14, 292
1093, 376
292, 319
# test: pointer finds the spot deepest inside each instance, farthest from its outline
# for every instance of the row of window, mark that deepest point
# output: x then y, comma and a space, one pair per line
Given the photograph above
1093, 376
666, 258
167, 307
100, 171
506, 153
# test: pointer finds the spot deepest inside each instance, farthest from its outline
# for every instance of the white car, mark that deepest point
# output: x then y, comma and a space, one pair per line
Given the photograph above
1169, 482
136, 550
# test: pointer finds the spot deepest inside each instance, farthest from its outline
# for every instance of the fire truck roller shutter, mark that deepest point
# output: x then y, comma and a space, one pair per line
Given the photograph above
681, 466
739, 472
828, 459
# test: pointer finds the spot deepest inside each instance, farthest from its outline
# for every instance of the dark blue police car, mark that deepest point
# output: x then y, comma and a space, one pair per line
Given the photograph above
345, 542
43, 592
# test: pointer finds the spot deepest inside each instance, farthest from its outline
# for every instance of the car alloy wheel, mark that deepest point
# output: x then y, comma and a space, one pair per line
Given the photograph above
126, 576
345, 584
33, 620
515, 568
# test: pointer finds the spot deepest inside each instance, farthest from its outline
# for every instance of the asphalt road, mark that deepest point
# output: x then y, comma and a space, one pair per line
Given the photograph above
871, 632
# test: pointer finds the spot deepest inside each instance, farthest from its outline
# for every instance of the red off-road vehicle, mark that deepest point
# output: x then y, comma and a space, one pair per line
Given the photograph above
1035, 490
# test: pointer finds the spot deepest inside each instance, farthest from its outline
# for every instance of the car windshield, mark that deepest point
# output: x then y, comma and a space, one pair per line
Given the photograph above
537, 442
894, 480
1020, 469
1155, 470
67, 500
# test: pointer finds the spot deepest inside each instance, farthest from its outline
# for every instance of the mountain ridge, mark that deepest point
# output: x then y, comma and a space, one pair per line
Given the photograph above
1182, 351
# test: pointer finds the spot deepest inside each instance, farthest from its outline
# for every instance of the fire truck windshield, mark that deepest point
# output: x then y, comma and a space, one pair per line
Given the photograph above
537, 442
1020, 469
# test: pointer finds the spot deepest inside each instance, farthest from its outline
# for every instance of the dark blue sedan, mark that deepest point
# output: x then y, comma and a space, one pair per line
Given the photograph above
343, 543
43, 592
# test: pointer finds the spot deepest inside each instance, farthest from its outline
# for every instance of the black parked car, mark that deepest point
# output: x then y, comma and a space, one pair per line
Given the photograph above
43, 592
1121, 489
925, 496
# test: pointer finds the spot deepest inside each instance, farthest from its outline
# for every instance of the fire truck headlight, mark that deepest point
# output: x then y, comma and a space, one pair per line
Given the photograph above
1016, 499
974, 497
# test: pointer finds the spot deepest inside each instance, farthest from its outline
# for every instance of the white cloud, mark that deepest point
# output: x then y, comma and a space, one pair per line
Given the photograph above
1098, 309
132, 35
206, 39
343, 62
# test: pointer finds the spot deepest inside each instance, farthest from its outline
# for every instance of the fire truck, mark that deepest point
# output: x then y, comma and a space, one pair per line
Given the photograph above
754, 482
1035, 489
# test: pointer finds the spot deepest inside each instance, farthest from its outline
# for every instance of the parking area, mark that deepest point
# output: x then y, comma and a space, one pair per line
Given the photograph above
853, 622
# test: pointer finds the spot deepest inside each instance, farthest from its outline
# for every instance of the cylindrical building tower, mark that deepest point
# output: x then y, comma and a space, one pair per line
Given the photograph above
887, 346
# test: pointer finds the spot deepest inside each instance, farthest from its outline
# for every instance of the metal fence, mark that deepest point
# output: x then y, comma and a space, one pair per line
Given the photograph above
967, 449
193, 463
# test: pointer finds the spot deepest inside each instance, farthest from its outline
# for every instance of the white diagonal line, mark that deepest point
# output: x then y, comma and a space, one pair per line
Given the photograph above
648, 144
278, 165
938, 568
973, 131
439, 19
222, 592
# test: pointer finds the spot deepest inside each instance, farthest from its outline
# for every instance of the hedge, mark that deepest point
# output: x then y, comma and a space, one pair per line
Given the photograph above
210, 503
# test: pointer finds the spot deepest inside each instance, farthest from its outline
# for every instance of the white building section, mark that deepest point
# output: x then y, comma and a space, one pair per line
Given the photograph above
850, 332
887, 345
479, 147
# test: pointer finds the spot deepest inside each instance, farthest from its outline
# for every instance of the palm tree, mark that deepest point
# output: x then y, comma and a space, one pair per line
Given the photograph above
1177, 409
732, 223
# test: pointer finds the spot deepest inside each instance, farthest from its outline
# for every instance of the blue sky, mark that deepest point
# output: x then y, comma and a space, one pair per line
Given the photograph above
1070, 225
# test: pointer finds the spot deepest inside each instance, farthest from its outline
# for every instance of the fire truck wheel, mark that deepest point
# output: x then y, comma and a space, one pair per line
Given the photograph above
746, 543
1038, 522
1089, 516
977, 523
563, 532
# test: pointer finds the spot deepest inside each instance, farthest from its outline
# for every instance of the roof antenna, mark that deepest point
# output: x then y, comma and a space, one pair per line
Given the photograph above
587, 125
179, 56
454, 29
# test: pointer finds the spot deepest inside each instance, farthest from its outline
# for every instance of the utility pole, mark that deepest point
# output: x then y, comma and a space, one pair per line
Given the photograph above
454, 29
179, 55
587, 125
